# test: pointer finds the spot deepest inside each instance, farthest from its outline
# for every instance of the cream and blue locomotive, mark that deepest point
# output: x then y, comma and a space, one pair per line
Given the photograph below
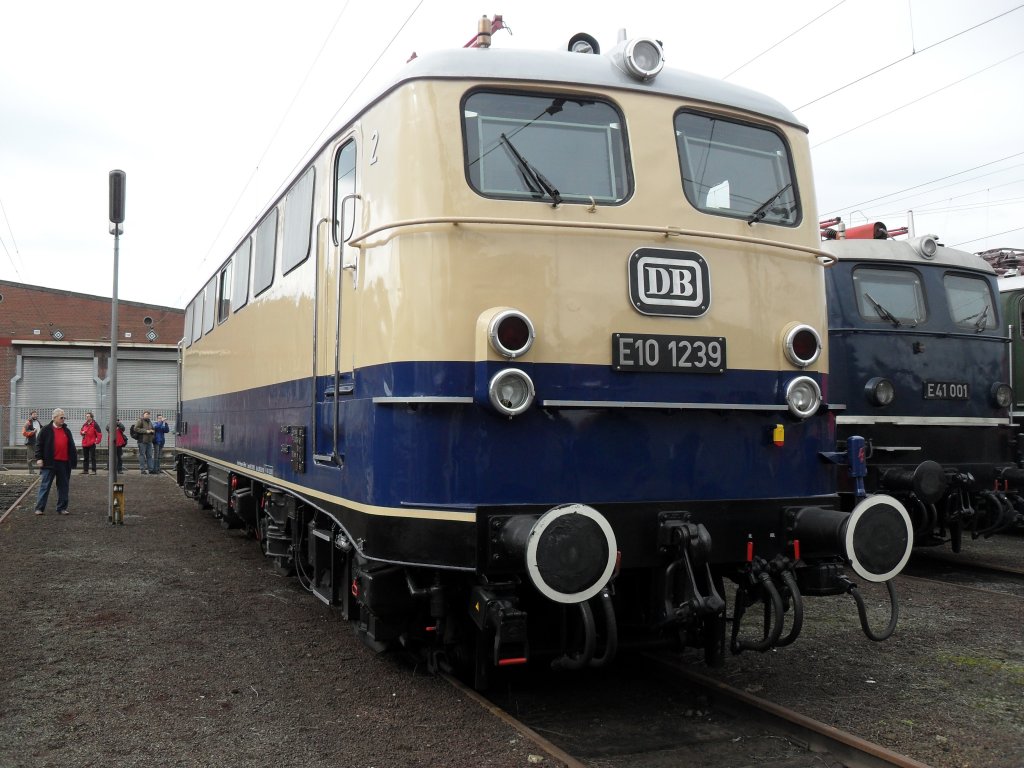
527, 361
919, 367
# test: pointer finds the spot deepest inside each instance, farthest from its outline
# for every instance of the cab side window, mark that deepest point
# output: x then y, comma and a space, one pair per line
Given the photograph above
344, 187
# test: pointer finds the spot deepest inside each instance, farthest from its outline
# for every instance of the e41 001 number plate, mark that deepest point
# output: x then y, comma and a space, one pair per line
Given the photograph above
946, 390
676, 354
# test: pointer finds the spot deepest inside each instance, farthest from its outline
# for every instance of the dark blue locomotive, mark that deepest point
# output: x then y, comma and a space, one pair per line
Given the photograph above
920, 367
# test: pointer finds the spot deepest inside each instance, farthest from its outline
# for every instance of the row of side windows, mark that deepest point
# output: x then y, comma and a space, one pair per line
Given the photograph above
229, 290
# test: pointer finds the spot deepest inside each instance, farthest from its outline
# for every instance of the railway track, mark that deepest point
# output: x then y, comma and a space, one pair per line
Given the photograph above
968, 574
14, 488
650, 711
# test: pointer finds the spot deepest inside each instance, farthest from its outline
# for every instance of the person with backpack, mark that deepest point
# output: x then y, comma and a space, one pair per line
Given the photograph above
120, 442
92, 436
142, 430
29, 432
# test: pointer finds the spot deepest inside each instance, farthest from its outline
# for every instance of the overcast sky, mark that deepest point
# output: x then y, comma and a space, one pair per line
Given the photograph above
208, 106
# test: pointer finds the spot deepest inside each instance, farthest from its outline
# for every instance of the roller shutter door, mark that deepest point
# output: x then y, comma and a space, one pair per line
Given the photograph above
148, 384
55, 379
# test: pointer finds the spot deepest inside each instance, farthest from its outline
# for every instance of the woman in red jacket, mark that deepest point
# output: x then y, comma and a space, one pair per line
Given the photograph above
92, 436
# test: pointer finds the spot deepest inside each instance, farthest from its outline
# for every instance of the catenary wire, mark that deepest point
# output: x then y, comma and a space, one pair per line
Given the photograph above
904, 58
270, 142
917, 186
787, 37
920, 98
986, 237
314, 143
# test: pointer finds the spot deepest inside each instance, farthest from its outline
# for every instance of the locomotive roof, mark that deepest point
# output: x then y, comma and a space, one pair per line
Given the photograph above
588, 70
903, 250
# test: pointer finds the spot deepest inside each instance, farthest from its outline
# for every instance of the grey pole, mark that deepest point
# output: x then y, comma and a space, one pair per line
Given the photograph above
117, 194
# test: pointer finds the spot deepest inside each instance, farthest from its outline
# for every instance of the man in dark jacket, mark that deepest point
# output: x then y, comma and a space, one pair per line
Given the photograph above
56, 455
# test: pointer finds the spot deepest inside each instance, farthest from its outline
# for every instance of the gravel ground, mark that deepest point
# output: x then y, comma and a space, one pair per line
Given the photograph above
171, 642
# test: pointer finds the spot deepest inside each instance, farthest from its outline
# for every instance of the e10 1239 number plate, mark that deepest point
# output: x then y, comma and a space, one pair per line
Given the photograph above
675, 354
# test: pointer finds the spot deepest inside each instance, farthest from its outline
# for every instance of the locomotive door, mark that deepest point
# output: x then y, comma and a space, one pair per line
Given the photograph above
337, 274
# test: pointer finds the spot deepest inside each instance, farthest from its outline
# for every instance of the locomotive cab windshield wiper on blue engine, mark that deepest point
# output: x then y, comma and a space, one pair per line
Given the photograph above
982, 321
883, 312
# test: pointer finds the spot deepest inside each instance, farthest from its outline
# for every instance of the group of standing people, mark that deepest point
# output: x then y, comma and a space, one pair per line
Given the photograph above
151, 437
51, 449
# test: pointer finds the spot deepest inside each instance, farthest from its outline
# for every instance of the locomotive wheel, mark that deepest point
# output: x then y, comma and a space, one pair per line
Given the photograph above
282, 565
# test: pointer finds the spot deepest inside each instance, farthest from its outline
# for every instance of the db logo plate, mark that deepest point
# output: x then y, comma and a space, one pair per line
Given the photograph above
665, 282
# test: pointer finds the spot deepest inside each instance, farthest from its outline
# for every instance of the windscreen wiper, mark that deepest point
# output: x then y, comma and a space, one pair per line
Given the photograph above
979, 324
885, 313
762, 210
534, 179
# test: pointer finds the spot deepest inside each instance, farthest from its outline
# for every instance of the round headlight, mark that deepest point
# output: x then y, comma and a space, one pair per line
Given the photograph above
880, 391
803, 396
1002, 395
926, 246
510, 333
802, 345
510, 391
643, 58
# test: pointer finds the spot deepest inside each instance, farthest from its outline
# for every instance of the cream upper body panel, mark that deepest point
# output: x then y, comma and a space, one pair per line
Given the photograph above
430, 254
432, 247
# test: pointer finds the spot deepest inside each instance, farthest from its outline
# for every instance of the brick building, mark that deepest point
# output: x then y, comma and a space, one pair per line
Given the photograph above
55, 352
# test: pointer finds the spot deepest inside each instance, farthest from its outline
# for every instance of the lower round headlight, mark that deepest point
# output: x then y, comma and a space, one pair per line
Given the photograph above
510, 391
803, 396
1002, 395
880, 391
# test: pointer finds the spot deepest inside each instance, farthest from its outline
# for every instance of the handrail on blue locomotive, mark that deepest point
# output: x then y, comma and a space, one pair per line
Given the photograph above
514, 404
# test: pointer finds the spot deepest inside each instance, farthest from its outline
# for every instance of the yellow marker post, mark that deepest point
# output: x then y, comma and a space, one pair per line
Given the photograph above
116, 516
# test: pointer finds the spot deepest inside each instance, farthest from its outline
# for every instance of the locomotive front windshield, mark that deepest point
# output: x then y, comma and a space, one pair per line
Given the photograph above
970, 302
551, 148
735, 169
891, 296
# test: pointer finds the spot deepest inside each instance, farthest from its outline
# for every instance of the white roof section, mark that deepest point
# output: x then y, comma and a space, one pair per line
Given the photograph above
904, 251
1015, 283
598, 70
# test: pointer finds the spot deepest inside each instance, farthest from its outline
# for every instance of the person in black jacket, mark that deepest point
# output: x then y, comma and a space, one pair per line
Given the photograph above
56, 455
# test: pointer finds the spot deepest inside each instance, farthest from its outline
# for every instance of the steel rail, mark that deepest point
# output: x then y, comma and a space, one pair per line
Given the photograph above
853, 750
544, 744
21, 498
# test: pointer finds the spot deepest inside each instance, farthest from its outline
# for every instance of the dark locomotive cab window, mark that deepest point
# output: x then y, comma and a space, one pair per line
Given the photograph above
264, 245
892, 296
224, 293
735, 169
970, 302
548, 148
240, 283
298, 223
